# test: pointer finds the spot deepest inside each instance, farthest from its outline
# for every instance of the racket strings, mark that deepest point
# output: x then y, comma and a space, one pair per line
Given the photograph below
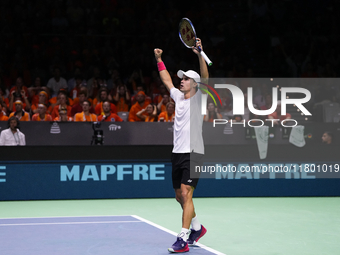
187, 34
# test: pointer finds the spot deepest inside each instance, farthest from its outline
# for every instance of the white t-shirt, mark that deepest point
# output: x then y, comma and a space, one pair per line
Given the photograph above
8, 138
56, 86
188, 123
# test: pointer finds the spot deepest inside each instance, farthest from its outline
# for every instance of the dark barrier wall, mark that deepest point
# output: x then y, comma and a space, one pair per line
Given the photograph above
85, 172
130, 133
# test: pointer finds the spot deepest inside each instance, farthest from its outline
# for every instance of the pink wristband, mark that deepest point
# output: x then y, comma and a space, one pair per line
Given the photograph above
161, 66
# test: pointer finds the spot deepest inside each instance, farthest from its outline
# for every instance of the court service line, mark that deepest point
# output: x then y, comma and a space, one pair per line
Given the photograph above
68, 223
175, 234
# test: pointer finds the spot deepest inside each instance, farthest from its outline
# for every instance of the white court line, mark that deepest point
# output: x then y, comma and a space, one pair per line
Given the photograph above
175, 234
67, 223
56, 217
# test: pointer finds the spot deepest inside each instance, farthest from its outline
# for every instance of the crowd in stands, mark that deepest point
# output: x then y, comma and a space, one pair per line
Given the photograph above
86, 60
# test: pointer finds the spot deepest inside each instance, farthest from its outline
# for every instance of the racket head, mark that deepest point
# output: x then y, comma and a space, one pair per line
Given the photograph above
187, 33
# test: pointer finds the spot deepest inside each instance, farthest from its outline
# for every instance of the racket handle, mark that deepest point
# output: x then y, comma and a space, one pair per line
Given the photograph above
206, 58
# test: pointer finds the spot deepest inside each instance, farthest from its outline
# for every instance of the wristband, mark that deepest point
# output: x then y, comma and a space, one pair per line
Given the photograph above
161, 66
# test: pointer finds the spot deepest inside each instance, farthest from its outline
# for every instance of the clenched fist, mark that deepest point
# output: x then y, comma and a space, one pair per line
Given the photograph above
158, 54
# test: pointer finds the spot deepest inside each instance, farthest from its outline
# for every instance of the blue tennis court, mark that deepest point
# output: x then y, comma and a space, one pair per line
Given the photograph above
87, 235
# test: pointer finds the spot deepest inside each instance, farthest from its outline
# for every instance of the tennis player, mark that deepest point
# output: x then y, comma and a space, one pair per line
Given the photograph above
188, 147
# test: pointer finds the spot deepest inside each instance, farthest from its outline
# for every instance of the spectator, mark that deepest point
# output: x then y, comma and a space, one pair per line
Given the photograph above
63, 116
151, 113
18, 88
42, 115
169, 114
161, 106
108, 116
56, 82
4, 92
62, 102
3, 117
43, 99
12, 135
33, 91
136, 79
19, 112
90, 83
140, 88
141, 104
276, 116
115, 80
76, 108
268, 102
260, 99
162, 91
254, 119
212, 113
237, 118
122, 99
71, 83
85, 115
3, 101
327, 138
76, 89
103, 96
23, 98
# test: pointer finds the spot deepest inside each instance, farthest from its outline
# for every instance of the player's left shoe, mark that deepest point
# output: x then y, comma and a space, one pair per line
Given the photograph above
179, 246
196, 235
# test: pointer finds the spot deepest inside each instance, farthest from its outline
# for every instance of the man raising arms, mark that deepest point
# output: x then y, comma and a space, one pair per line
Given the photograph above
188, 144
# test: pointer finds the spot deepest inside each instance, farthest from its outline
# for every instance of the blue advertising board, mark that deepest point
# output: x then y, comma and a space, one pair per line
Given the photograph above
103, 179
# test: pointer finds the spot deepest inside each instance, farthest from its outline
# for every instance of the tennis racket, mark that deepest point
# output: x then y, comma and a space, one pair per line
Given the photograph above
187, 34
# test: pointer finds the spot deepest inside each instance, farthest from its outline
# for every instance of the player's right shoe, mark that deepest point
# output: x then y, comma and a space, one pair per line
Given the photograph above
179, 246
196, 235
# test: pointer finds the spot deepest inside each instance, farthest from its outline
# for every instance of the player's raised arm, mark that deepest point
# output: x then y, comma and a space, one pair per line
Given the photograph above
203, 64
163, 73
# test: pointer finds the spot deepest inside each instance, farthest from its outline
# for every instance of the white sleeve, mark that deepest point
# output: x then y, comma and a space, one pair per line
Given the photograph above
175, 94
23, 139
2, 138
49, 84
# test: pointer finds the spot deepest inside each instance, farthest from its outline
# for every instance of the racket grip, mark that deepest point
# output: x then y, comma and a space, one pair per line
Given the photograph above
206, 58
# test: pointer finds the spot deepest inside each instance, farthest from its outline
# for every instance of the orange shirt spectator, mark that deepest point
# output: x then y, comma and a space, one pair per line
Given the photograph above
102, 96
55, 112
41, 115
108, 115
122, 99
19, 112
111, 118
63, 116
122, 106
36, 117
99, 109
137, 107
277, 114
165, 117
24, 117
169, 114
18, 87
3, 117
85, 115
43, 99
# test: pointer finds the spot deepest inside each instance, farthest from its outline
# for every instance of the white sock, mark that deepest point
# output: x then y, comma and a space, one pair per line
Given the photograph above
196, 225
184, 234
